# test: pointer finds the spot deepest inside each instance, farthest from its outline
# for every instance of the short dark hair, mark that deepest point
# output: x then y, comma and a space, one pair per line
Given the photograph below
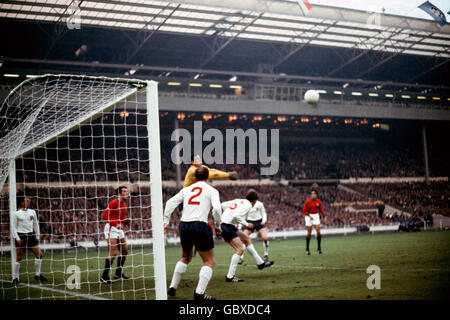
201, 173
251, 195
19, 200
314, 190
119, 189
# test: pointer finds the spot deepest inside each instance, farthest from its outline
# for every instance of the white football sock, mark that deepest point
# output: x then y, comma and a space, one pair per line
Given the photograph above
254, 254
204, 277
16, 270
243, 248
266, 248
37, 265
233, 265
180, 269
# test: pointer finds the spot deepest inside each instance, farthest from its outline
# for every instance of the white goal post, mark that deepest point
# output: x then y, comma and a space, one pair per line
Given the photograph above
40, 120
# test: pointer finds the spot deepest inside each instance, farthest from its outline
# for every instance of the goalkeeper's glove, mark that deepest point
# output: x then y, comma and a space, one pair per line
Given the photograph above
233, 175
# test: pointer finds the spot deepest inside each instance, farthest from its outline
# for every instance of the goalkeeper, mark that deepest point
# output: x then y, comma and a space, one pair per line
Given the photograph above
196, 162
189, 179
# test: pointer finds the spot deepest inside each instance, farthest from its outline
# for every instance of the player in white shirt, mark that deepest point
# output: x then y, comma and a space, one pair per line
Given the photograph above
23, 222
197, 199
257, 216
234, 212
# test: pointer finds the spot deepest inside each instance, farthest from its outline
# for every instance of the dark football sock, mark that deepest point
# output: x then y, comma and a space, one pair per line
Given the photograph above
120, 263
319, 238
119, 266
106, 270
307, 243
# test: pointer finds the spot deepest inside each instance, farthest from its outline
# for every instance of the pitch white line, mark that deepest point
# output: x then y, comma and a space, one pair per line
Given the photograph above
301, 267
82, 295
341, 268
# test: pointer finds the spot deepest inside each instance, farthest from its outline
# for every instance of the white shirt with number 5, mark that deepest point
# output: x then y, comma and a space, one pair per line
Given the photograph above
235, 211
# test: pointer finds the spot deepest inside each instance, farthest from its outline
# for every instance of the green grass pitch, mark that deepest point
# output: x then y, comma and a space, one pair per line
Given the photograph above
413, 266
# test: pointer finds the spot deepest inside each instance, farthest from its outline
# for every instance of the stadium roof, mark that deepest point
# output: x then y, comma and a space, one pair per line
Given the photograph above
279, 21
253, 36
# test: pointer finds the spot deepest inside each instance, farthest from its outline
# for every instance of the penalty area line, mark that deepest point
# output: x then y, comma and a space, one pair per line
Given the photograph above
82, 295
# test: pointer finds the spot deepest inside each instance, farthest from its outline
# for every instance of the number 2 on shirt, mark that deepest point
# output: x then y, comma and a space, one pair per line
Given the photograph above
195, 196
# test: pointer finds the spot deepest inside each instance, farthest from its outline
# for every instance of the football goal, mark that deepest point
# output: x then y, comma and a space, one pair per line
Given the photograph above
67, 143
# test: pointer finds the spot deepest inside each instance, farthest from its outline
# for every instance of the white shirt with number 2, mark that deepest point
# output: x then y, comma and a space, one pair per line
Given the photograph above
197, 199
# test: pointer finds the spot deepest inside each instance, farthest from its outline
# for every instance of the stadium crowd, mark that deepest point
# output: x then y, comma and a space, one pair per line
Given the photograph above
74, 214
115, 148
345, 160
297, 161
418, 198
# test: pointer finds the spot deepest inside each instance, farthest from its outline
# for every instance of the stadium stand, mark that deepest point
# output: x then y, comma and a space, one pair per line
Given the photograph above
319, 155
417, 198
73, 213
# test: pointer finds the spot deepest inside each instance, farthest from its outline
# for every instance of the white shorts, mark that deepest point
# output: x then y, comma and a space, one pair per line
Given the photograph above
113, 232
314, 220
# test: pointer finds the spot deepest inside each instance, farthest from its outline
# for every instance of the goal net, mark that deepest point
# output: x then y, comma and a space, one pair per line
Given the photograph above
67, 143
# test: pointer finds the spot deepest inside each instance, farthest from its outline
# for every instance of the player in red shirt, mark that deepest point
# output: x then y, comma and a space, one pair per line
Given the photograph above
115, 216
311, 213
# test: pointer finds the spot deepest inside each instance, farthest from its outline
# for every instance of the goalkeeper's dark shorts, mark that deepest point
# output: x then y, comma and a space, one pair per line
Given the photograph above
196, 233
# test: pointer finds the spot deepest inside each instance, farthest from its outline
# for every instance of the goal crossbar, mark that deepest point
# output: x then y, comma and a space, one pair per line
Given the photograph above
135, 86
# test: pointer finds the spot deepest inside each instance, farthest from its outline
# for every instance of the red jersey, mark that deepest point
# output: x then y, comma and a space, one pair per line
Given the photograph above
115, 213
313, 206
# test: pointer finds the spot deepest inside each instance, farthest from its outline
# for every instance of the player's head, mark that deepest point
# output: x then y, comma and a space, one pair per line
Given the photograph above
196, 160
252, 196
23, 202
313, 194
201, 173
122, 193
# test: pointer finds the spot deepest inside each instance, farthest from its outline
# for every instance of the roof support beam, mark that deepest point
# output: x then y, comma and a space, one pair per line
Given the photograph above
60, 29
218, 72
293, 50
361, 54
436, 66
148, 35
390, 57
224, 42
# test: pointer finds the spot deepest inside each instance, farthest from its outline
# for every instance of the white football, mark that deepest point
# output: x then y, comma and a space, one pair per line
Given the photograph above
311, 97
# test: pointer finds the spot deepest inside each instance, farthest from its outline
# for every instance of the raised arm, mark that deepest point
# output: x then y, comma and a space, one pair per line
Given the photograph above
190, 177
218, 174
